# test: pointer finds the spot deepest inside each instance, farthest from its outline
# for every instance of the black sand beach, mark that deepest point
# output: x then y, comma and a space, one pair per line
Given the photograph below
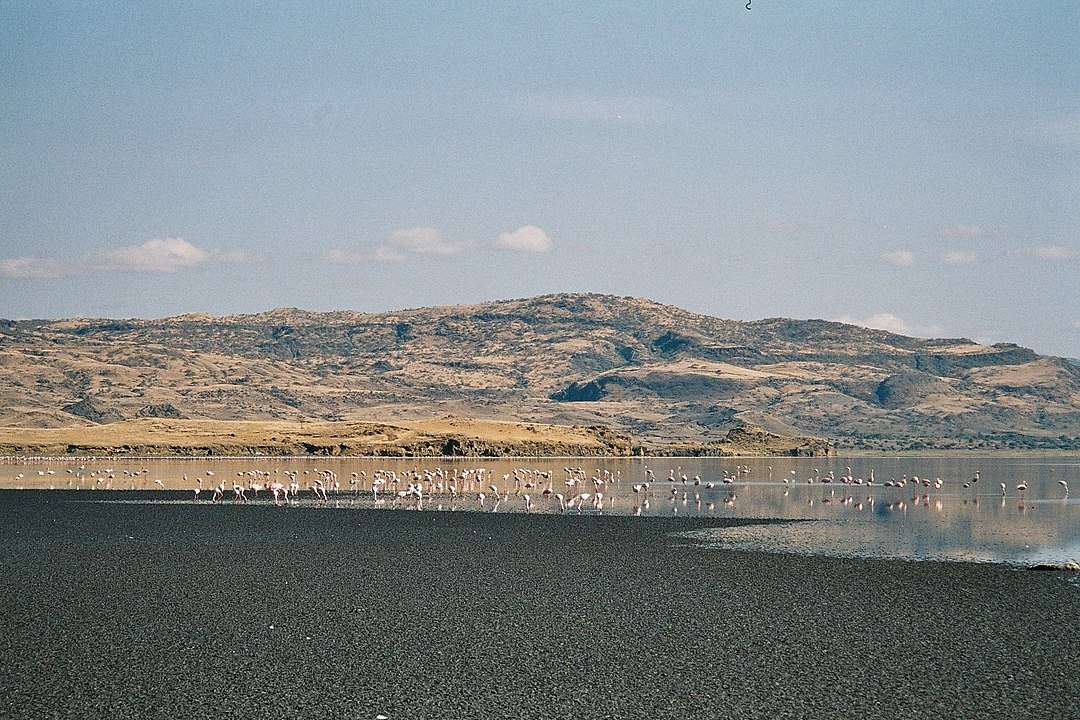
158, 610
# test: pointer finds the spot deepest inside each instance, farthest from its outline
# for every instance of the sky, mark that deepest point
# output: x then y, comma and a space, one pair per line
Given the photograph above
911, 166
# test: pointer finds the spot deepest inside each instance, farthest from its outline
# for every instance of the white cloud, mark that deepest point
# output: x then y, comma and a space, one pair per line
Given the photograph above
527, 238
892, 323
958, 257
1053, 252
962, 231
902, 258
33, 268
166, 255
880, 321
429, 241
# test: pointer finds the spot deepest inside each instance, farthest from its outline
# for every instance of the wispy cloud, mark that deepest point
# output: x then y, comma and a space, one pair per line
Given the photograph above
1053, 252
958, 257
33, 268
901, 258
428, 241
962, 231
422, 241
398, 247
165, 255
892, 323
527, 238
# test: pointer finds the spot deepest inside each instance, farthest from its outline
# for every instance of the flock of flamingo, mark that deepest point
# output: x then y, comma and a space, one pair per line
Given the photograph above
478, 488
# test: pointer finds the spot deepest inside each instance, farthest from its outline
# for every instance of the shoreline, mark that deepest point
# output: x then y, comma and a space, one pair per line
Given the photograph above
692, 537
446, 437
838, 456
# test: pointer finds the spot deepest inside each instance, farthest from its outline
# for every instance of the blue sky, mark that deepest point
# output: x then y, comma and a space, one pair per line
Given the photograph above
914, 166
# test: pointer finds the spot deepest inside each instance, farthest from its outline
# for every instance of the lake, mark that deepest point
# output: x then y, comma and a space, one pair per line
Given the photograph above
934, 518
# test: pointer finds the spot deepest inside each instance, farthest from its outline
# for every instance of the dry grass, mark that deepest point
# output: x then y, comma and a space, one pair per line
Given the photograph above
664, 374
207, 433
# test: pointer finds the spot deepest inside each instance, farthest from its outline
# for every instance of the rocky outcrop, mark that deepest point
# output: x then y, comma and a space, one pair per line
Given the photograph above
87, 409
163, 410
908, 389
955, 363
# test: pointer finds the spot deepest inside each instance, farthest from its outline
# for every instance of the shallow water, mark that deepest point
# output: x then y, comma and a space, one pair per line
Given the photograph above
941, 521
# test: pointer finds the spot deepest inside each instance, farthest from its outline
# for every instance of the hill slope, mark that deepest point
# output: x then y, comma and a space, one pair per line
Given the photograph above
657, 372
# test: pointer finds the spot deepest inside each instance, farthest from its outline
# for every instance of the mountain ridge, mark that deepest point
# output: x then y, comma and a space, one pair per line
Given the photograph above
653, 371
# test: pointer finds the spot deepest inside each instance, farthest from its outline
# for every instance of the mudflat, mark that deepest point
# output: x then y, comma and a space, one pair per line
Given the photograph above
149, 609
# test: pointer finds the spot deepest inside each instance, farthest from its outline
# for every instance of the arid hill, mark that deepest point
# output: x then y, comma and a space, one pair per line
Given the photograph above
653, 372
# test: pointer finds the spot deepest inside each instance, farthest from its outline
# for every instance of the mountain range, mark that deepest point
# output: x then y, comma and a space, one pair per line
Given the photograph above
656, 373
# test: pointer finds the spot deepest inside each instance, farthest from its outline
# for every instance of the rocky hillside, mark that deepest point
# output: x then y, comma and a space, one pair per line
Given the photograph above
654, 372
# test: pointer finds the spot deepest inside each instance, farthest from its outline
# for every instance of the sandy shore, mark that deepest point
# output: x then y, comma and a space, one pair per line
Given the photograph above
133, 610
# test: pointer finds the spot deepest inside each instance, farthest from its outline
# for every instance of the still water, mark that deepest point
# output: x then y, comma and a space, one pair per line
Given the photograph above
1034, 520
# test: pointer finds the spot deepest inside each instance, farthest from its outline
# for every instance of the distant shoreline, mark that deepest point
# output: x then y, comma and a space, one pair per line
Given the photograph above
437, 438
445, 437
840, 455
958, 452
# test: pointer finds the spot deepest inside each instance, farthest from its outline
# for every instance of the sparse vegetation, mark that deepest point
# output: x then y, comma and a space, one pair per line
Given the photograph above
445, 436
654, 372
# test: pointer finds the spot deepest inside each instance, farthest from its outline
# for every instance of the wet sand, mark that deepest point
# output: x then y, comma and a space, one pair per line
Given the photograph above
159, 610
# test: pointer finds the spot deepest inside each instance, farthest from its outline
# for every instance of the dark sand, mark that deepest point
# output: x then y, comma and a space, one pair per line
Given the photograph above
154, 610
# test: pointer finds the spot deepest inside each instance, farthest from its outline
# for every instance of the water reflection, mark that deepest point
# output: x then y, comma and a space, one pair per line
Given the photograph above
994, 509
